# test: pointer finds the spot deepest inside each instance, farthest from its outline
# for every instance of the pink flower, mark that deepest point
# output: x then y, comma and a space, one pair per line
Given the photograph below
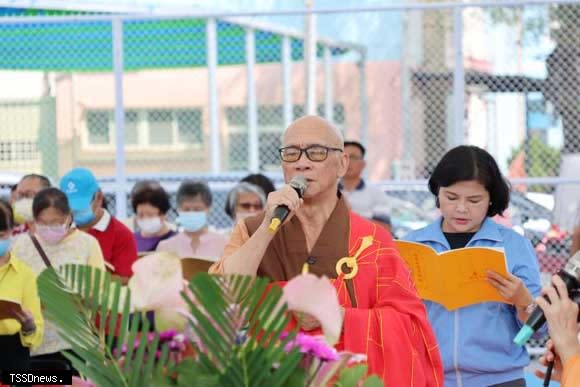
312, 345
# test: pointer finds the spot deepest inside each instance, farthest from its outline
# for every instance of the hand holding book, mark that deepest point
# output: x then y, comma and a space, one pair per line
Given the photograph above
13, 310
10, 310
512, 289
457, 278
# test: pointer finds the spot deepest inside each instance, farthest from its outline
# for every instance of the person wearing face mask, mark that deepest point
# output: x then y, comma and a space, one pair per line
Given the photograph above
195, 240
244, 200
63, 244
20, 329
477, 341
86, 201
25, 191
150, 206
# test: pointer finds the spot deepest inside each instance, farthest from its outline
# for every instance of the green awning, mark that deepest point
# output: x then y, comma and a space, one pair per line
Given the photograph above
148, 44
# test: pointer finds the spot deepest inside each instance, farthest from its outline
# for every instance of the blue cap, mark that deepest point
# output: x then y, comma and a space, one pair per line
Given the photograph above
79, 186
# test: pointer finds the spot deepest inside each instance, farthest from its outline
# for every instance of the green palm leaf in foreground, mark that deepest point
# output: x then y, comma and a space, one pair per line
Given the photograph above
87, 306
238, 324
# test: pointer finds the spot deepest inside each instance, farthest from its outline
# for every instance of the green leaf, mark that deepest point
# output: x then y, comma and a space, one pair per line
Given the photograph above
71, 298
296, 379
349, 377
373, 381
225, 306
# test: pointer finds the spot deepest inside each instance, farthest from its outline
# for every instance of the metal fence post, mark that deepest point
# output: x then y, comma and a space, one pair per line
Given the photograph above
120, 176
252, 105
310, 37
213, 108
328, 85
364, 103
458, 80
287, 80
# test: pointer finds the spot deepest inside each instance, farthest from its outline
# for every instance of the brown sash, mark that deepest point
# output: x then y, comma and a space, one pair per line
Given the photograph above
40, 250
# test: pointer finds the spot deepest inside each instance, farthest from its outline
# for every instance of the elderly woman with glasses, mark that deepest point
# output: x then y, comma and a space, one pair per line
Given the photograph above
244, 200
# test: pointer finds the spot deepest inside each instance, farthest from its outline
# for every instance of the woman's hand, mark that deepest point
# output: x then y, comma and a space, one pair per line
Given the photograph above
549, 356
511, 288
26, 320
562, 316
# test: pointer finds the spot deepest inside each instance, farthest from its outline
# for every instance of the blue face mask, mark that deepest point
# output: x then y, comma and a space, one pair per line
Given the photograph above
5, 246
83, 217
192, 221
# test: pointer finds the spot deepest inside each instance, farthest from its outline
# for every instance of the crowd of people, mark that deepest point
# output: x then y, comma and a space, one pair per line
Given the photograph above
407, 341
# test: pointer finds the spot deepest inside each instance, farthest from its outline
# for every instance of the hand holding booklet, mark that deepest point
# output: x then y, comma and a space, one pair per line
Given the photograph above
9, 309
454, 278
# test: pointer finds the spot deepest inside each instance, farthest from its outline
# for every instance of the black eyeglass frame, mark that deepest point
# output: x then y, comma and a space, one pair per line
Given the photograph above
306, 151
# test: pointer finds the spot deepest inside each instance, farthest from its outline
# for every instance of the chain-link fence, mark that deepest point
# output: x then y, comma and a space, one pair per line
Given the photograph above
186, 96
504, 78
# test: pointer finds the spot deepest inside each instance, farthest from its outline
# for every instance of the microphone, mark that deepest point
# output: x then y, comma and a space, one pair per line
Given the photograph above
570, 274
281, 212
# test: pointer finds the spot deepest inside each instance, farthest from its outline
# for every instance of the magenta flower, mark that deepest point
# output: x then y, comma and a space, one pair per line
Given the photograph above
312, 345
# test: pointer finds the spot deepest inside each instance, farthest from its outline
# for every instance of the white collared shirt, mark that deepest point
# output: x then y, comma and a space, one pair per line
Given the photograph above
103, 223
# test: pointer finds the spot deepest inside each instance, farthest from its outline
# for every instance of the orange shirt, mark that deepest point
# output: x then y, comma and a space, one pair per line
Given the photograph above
571, 377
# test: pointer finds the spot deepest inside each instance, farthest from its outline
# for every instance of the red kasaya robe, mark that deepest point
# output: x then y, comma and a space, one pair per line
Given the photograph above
389, 323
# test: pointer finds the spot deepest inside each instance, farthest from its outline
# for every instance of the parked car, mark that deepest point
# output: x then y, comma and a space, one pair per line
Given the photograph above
405, 217
529, 218
553, 249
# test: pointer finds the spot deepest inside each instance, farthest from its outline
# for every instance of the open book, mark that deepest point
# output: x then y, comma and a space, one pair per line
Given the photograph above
454, 278
9, 309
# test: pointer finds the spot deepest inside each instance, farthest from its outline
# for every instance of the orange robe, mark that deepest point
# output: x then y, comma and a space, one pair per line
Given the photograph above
571, 376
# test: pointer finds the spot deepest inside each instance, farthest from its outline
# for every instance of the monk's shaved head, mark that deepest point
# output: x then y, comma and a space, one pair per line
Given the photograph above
329, 134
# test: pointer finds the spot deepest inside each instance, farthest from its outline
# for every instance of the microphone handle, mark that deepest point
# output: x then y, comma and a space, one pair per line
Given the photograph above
548, 374
537, 318
281, 212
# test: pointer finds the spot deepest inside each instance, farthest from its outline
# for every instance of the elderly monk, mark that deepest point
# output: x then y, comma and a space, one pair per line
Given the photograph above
383, 316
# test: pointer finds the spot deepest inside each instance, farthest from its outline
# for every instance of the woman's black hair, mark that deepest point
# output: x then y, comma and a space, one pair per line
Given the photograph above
156, 197
190, 189
468, 162
50, 197
6, 216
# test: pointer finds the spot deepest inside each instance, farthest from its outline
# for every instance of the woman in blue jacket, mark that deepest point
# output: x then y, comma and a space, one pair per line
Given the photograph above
476, 341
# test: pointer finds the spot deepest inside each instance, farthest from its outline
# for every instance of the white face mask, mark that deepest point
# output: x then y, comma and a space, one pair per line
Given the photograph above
150, 225
23, 210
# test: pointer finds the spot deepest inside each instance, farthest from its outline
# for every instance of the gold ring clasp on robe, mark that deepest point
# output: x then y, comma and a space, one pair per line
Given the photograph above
351, 262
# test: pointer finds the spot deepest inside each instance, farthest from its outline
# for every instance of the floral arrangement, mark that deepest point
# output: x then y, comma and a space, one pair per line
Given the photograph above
212, 331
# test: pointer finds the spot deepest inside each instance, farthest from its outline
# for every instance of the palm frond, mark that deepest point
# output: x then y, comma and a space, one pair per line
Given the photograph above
85, 304
238, 324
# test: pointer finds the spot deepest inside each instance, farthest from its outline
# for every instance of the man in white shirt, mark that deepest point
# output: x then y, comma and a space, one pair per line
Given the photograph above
363, 198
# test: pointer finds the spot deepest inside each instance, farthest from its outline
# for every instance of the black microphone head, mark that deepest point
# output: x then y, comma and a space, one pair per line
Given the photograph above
299, 183
572, 267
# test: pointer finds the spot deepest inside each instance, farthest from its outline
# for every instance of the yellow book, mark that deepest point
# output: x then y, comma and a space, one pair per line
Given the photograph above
9, 309
454, 278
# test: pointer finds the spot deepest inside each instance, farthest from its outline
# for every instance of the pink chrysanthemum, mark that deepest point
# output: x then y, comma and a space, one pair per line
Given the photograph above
312, 345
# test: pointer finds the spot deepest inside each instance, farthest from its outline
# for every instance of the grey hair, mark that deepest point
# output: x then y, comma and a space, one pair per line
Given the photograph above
240, 188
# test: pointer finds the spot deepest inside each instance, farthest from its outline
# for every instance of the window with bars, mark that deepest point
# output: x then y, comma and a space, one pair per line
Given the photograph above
270, 128
147, 127
19, 150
